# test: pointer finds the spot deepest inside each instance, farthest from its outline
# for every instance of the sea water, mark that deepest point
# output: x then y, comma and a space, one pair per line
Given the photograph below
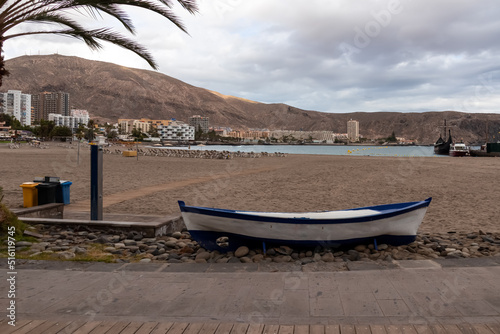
352, 150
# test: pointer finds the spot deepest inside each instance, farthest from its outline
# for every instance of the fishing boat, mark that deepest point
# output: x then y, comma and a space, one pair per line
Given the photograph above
442, 146
225, 230
458, 150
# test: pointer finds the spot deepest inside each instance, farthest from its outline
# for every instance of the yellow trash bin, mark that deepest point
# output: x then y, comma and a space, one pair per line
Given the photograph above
30, 194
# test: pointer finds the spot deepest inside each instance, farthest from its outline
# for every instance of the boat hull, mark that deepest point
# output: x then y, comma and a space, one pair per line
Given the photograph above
394, 224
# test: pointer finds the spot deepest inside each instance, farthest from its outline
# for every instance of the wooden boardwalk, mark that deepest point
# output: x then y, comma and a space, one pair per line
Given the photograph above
115, 327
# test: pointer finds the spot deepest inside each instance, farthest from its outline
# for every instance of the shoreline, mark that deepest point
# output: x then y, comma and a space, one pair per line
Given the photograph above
464, 190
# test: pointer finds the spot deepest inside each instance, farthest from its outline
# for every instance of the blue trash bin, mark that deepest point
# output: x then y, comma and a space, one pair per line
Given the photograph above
62, 192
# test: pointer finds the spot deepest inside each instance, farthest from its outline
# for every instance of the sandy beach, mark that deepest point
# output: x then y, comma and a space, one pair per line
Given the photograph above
465, 191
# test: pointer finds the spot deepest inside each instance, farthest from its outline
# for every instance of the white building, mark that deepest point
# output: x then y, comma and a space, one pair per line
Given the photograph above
18, 105
176, 131
71, 122
353, 130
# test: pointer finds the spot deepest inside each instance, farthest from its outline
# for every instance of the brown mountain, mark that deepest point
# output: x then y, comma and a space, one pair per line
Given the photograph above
109, 91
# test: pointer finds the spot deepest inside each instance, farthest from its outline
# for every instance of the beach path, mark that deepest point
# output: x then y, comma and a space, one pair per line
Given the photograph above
141, 192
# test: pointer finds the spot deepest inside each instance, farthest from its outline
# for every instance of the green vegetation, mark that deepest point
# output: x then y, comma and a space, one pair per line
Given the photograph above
58, 18
392, 138
10, 225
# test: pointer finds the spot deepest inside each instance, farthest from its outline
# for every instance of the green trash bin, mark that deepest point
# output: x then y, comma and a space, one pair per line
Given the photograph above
46, 193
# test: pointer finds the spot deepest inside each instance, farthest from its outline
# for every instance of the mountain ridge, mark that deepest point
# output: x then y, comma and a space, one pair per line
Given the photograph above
109, 91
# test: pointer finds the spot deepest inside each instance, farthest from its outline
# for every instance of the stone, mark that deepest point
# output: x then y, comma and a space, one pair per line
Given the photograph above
64, 255
163, 257
170, 244
306, 260
338, 254
32, 234
119, 245
186, 250
109, 249
360, 248
40, 246
145, 260
284, 250
271, 252
203, 256
246, 259
257, 258
309, 253
353, 255
102, 240
241, 251
200, 260
233, 259
80, 250
23, 244
488, 239
177, 235
382, 247
114, 238
317, 257
174, 261
328, 257
129, 242
132, 249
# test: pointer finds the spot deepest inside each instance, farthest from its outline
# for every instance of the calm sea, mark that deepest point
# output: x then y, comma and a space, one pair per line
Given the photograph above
390, 151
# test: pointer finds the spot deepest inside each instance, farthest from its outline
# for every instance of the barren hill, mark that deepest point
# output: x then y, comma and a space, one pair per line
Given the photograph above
109, 91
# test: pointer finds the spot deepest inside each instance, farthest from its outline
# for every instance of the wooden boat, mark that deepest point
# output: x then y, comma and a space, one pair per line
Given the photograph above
441, 146
459, 150
224, 230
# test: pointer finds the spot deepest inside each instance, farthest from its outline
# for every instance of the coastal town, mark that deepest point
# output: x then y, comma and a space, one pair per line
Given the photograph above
48, 115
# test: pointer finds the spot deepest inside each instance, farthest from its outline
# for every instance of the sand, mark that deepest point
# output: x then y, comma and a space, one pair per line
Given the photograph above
465, 191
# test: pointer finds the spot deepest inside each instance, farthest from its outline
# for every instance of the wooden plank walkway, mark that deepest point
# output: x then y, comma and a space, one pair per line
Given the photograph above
123, 327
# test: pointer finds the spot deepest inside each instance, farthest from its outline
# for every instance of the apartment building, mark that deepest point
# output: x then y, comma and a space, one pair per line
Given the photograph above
17, 104
199, 121
46, 103
176, 131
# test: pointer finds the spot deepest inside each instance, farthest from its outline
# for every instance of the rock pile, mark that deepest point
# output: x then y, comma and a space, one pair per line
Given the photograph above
200, 154
178, 247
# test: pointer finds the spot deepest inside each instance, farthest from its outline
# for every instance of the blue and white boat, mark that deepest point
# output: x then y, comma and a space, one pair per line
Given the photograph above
224, 230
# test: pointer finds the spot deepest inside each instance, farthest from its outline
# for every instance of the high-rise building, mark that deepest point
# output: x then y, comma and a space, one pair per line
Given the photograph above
353, 130
18, 105
199, 121
50, 103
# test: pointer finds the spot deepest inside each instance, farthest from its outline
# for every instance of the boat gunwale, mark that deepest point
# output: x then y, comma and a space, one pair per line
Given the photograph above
385, 211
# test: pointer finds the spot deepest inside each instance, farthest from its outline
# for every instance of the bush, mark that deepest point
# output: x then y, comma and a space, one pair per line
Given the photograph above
7, 218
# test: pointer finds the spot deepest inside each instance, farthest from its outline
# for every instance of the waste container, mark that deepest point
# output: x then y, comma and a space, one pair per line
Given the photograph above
30, 194
52, 179
46, 193
62, 192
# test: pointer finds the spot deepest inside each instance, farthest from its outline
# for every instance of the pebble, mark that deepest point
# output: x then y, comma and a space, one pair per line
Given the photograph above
23, 244
65, 243
242, 251
203, 256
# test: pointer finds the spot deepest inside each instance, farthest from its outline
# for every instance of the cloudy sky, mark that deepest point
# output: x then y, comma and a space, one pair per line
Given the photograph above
325, 55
